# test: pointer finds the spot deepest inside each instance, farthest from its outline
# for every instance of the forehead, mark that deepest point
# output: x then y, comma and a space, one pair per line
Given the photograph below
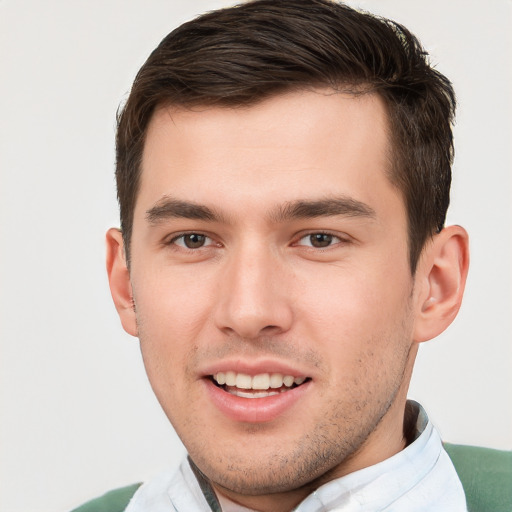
307, 144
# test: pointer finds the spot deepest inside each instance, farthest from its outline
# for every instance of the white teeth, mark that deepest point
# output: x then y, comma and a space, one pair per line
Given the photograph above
252, 394
288, 381
243, 381
262, 381
276, 380
230, 378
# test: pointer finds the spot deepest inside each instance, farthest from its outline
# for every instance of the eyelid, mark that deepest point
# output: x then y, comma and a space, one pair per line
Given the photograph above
342, 238
171, 240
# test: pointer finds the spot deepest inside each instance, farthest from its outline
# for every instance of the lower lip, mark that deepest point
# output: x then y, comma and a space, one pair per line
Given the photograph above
254, 410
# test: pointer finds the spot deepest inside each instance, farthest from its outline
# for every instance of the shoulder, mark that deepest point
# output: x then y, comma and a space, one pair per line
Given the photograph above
485, 474
113, 501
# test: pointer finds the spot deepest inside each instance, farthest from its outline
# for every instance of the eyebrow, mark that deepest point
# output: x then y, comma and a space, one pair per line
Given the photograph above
329, 207
169, 208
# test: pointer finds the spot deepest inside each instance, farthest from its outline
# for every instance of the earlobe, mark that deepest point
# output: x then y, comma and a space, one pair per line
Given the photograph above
119, 280
443, 271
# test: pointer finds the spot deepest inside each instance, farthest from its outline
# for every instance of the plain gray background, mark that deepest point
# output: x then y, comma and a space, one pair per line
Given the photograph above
77, 414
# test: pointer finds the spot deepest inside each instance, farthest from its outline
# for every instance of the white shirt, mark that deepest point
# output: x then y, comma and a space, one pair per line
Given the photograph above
420, 478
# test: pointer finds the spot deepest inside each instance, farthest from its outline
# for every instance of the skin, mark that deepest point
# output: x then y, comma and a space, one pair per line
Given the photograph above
260, 293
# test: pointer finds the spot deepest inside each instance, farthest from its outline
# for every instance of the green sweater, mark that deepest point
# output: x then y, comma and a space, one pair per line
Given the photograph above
486, 476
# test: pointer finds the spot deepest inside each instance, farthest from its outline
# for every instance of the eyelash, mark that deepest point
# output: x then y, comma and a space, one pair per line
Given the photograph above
339, 239
336, 239
174, 239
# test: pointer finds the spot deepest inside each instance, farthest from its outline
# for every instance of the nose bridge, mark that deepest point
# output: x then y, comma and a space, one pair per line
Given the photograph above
252, 300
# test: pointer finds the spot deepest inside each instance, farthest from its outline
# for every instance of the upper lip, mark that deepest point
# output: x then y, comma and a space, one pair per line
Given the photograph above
253, 367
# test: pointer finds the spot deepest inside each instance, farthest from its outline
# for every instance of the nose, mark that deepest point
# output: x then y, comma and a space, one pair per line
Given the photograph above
254, 297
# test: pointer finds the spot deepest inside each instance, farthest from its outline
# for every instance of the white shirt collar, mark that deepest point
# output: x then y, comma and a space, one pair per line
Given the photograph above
419, 478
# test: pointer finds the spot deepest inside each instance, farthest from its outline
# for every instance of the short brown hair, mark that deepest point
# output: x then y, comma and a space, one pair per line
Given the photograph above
241, 55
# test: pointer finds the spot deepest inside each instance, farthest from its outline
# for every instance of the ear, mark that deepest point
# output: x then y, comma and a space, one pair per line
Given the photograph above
441, 280
119, 280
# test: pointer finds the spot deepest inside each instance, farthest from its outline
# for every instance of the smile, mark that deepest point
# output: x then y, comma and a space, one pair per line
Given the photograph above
258, 386
257, 397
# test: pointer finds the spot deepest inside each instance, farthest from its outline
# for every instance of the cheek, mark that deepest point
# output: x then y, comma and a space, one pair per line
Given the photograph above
171, 305
170, 315
354, 312
334, 292
167, 330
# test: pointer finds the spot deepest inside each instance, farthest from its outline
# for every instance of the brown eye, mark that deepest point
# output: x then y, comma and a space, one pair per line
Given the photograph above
191, 240
320, 240
194, 241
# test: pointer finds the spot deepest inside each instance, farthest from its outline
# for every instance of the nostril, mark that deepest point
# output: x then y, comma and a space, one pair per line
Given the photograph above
271, 330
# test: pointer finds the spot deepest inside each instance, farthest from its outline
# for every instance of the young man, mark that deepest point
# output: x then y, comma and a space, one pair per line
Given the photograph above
283, 174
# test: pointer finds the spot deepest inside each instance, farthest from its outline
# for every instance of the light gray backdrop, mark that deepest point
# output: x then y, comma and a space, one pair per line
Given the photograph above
77, 414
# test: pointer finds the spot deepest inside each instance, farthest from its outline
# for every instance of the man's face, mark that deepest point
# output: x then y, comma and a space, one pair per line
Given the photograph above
273, 296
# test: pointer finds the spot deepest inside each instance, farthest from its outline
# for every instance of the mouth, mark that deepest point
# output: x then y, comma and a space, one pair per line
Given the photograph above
261, 385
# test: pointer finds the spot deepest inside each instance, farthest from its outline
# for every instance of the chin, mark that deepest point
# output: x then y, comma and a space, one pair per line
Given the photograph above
273, 473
